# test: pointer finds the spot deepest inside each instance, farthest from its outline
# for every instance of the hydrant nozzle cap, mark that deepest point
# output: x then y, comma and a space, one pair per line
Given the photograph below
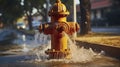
58, 1
58, 9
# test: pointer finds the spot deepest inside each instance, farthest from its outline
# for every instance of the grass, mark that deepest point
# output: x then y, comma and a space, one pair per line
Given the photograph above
101, 38
98, 34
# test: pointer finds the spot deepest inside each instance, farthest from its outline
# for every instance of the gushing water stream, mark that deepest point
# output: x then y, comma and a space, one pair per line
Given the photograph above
80, 54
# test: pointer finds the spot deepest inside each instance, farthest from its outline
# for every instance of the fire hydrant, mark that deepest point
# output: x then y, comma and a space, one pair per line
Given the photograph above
58, 28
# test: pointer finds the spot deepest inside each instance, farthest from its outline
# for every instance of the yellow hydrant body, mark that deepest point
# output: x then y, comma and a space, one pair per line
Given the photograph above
58, 28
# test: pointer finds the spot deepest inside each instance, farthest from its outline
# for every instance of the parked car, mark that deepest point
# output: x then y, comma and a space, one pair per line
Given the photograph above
36, 24
21, 25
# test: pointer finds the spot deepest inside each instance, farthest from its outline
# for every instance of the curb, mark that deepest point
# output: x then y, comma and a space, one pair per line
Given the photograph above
109, 50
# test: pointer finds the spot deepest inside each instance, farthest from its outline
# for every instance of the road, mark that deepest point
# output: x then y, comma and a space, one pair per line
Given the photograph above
114, 30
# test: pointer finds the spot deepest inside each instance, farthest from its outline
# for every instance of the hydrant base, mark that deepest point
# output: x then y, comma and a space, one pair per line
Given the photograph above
58, 54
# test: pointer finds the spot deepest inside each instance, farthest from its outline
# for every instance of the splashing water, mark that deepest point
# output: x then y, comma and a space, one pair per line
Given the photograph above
40, 52
80, 54
41, 43
32, 44
24, 48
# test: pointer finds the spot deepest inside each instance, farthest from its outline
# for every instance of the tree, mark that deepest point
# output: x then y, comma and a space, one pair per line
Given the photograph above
85, 10
29, 5
10, 10
13, 9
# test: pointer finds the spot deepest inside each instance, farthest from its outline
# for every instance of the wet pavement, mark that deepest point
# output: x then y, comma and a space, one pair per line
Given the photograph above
17, 61
23, 59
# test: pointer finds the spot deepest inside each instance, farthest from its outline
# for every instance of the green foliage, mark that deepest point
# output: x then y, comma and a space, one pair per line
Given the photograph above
10, 10
30, 4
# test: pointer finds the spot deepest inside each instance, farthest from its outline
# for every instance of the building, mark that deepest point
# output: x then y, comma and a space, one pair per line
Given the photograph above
99, 8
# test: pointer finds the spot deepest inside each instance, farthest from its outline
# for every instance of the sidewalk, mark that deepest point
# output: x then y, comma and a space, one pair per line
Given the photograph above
101, 38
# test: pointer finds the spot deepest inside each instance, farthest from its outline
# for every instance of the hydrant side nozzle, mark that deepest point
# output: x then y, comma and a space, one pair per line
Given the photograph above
77, 26
60, 29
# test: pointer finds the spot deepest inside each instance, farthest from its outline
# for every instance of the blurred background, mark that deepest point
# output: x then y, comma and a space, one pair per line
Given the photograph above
27, 15
99, 20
